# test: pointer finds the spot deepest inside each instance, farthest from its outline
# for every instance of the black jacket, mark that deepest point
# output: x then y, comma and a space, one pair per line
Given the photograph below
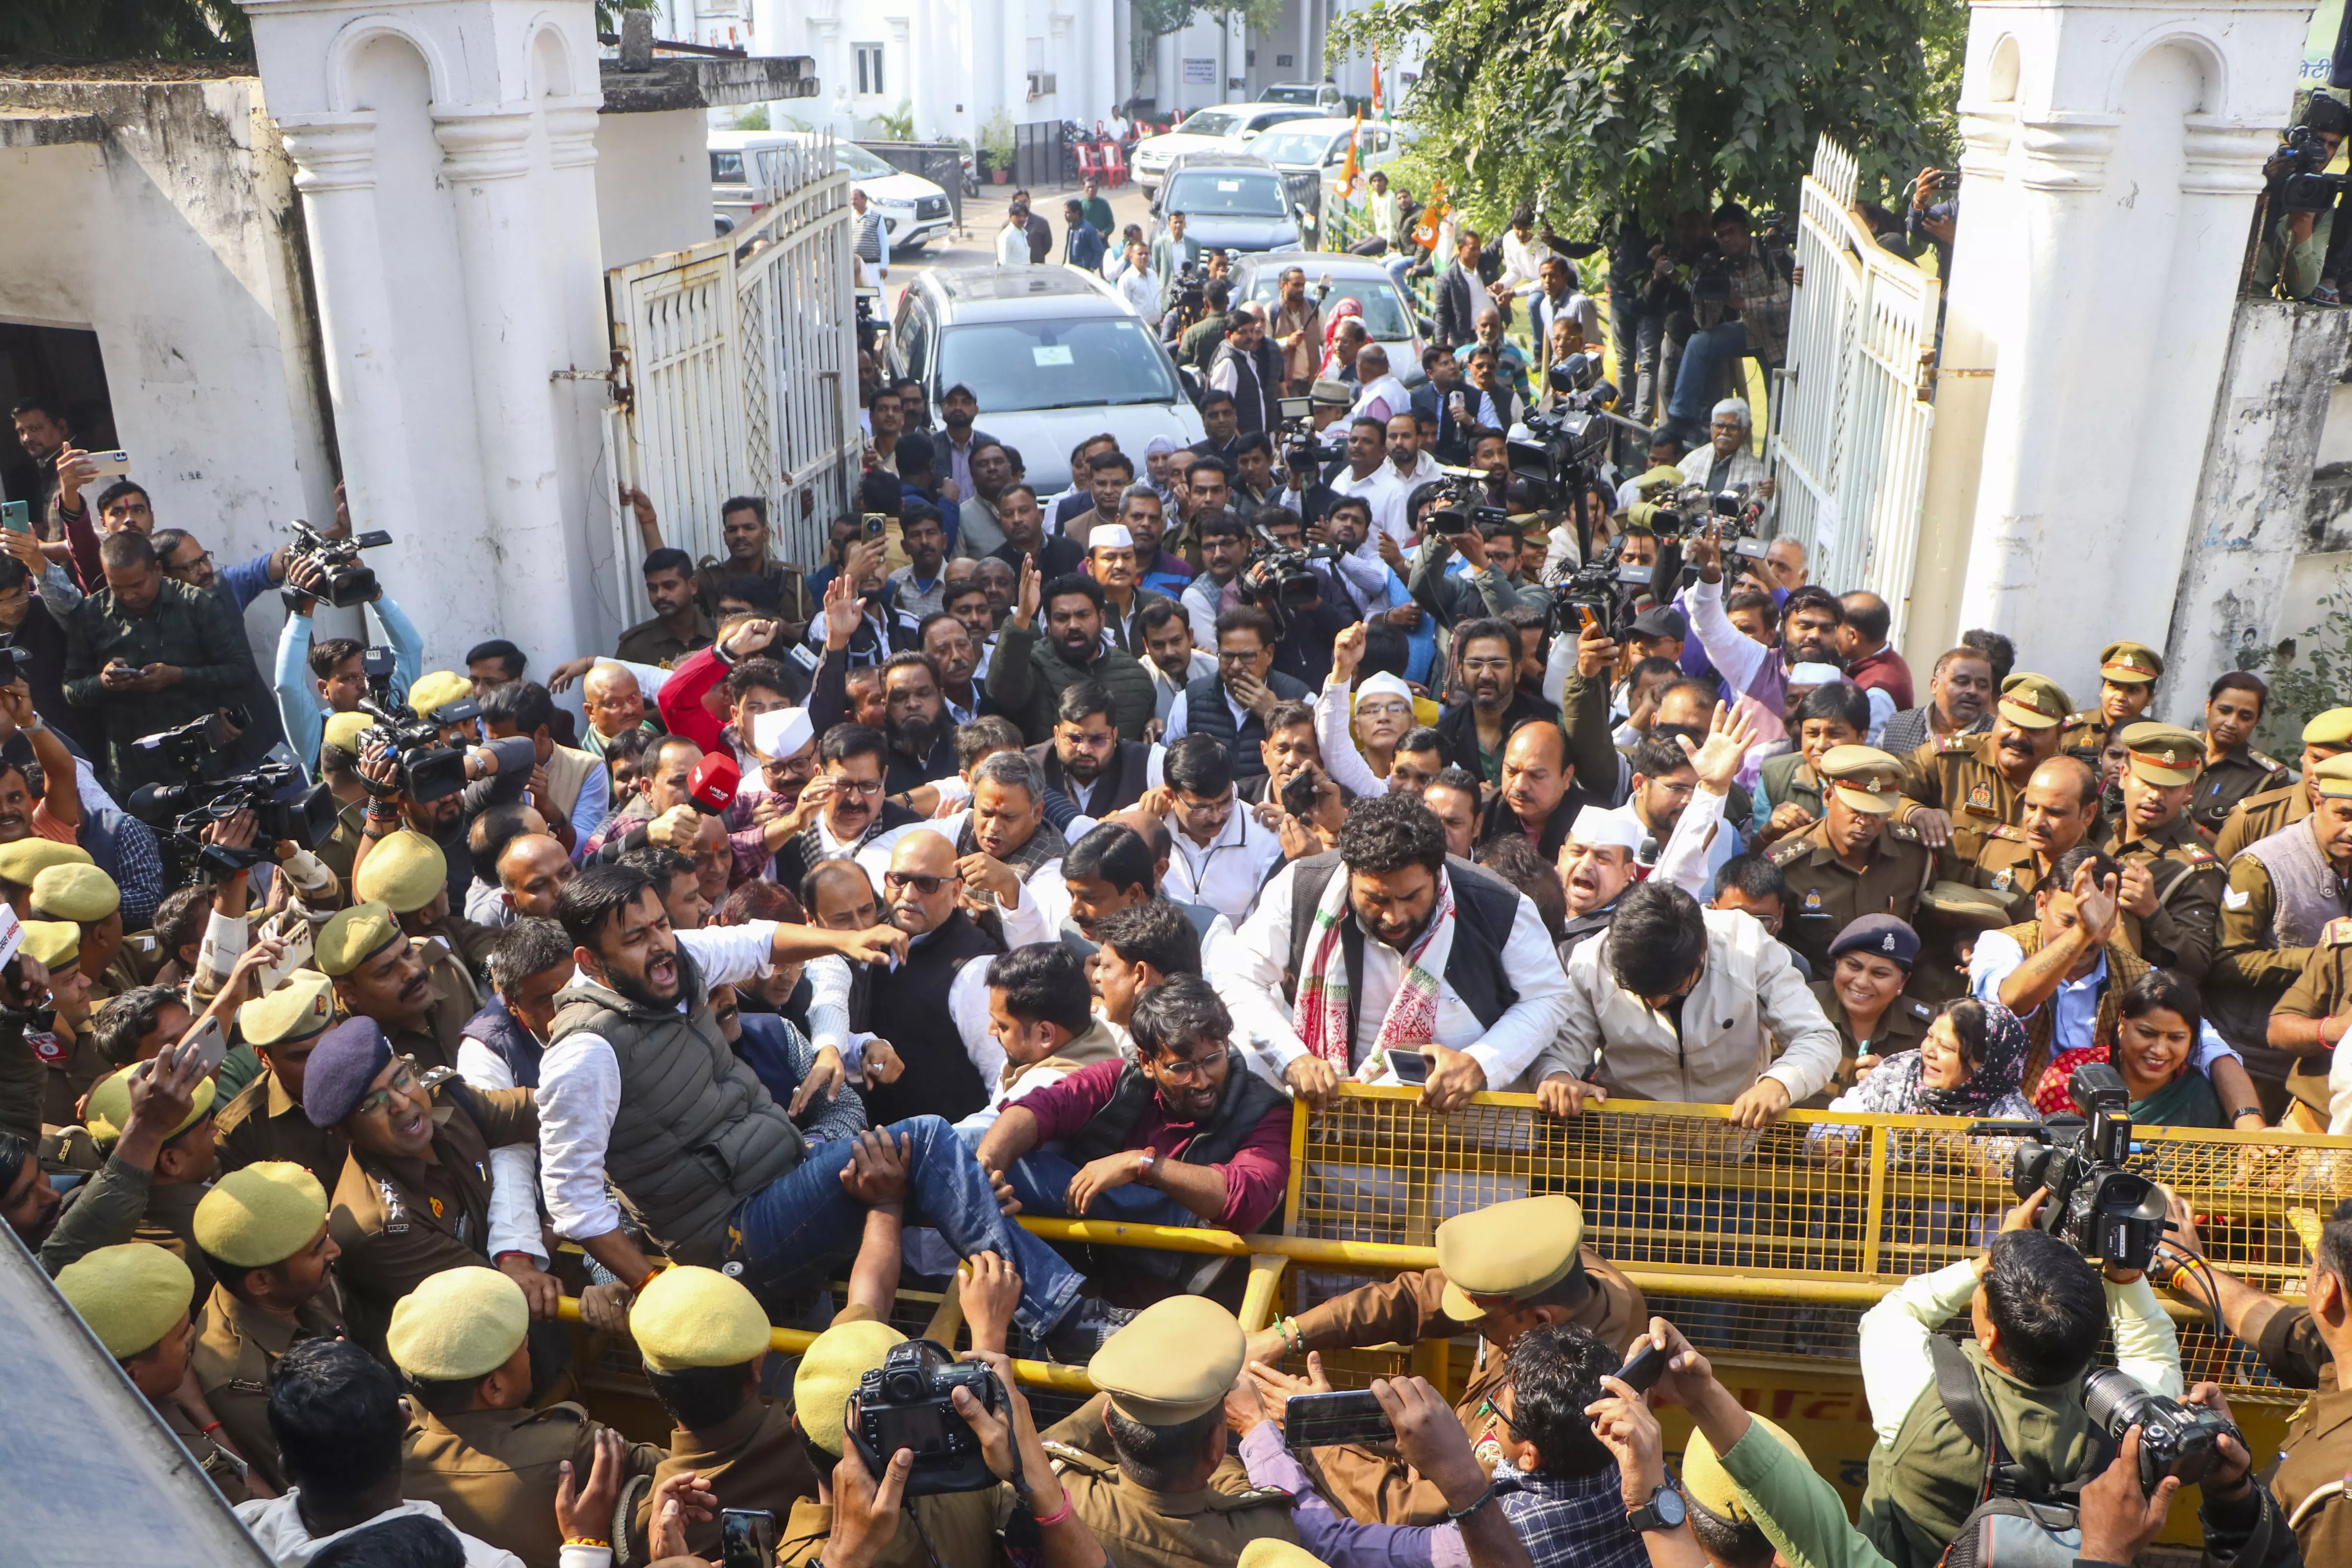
1459, 725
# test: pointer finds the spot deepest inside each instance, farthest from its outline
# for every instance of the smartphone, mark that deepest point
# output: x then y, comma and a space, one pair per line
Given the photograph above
209, 1041
1299, 794
874, 523
16, 516
1644, 1367
108, 465
300, 946
1949, 179
1410, 1067
1317, 1420
747, 1538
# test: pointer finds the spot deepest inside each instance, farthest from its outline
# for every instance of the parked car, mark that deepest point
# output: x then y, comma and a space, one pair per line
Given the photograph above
1322, 95
1387, 315
1230, 202
1052, 355
1320, 147
1220, 126
914, 210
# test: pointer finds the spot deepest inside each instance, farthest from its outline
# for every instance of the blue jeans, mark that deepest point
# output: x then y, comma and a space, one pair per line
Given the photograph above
1708, 354
1041, 1180
794, 1229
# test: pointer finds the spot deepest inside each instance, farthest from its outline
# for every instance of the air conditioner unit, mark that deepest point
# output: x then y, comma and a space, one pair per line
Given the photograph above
1041, 84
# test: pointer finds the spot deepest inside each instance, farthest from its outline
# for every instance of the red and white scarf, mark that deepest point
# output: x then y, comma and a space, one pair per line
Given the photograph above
1321, 1014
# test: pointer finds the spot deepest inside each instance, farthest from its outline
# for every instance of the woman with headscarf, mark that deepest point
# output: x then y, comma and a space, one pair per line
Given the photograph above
2158, 1021
1969, 1065
1339, 348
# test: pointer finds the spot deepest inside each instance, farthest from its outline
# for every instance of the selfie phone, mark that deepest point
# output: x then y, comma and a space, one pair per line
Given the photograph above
1351, 1416
747, 1538
1299, 794
108, 465
1643, 1368
209, 1041
1410, 1067
16, 516
874, 521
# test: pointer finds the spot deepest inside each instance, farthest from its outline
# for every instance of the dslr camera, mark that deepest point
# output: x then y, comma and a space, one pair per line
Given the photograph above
2100, 1209
2306, 189
285, 802
429, 770
2175, 1438
349, 580
908, 1402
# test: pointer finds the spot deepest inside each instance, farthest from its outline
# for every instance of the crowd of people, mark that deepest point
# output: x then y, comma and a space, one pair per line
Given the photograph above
1042, 855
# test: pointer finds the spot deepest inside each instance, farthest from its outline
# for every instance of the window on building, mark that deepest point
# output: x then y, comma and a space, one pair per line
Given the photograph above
869, 67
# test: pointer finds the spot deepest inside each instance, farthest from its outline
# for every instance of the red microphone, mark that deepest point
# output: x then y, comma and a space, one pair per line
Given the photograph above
711, 785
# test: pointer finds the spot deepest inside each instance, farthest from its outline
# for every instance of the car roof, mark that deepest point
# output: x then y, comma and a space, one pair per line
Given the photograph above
1003, 293
1238, 163
1328, 123
736, 140
1337, 263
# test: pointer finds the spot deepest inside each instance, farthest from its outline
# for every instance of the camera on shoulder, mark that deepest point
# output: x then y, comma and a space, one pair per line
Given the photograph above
2109, 1214
349, 580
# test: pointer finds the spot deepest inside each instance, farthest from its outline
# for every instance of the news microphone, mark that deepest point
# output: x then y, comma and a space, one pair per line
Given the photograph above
711, 785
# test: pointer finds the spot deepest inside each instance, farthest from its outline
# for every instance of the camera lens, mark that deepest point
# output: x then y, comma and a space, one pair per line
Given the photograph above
2115, 1401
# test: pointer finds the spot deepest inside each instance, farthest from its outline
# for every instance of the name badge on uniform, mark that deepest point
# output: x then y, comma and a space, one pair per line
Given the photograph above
49, 1046
1981, 798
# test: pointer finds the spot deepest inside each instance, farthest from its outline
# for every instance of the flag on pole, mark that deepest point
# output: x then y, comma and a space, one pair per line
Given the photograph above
1348, 169
1433, 217
1377, 105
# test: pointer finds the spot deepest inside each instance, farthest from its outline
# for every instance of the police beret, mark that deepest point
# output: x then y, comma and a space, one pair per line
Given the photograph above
2332, 780
404, 873
109, 1111
829, 1375
2332, 728
1266, 1552
350, 937
1174, 1361
27, 858
301, 1007
262, 1214
697, 1316
56, 943
74, 892
2162, 754
459, 1324
2033, 702
131, 1296
1517, 1249
1706, 1482
2129, 663
1884, 936
1663, 474
345, 729
343, 1063
437, 690
1867, 778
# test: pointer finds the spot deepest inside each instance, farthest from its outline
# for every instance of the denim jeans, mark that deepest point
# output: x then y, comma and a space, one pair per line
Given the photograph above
1041, 1179
1708, 355
796, 1228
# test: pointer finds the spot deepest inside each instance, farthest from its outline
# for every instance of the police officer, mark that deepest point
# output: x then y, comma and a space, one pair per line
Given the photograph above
263, 1232
417, 1195
1167, 1375
1861, 993
1969, 784
2127, 676
265, 1122
2170, 890
22, 861
2307, 1024
68, 1049
474, 1448
2233, 770
408, 874
1950, 917
1855, 860
2285, 889
2059, 810
1502, 1269
2259, 815
88, 897
183, 1167
381, 973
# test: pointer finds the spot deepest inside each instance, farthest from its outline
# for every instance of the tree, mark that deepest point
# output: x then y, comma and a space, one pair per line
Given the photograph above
1152, 20
1609, 108
86, 31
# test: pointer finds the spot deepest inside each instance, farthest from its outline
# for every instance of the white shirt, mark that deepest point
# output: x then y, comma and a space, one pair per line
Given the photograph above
1012, 246
1335, 711
1379, 488
1389, 392
276, 1524
1201, 600
580, 1088
1226, 872
514, 1169
1137, 289
1167, 690
1247, 969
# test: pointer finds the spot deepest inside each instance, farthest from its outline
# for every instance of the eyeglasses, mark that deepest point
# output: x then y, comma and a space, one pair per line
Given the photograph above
1488, 1407
895, 882
1182, 1071
1390, 709
844, 783
403, 1083
1227, 656
190, 565
1202, 810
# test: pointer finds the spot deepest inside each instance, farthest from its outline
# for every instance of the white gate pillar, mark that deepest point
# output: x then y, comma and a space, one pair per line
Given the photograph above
2098, 278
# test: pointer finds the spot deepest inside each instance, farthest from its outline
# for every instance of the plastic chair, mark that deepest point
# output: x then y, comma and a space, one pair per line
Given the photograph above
1112, 167
1088, 168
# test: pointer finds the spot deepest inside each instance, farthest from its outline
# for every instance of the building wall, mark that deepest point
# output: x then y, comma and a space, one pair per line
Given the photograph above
652, 183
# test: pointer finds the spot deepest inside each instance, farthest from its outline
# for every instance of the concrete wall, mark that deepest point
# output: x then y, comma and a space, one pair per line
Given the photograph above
176, 240
652, 183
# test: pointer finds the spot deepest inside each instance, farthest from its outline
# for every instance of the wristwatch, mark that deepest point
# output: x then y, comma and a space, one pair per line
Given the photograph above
1665, 1510
1145, 1163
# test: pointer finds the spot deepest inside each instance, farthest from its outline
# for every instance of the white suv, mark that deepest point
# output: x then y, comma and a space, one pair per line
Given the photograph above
1221, 127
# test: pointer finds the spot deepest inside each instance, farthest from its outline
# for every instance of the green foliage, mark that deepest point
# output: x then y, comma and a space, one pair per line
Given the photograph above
898, 127
996, 139
608, 13
1152, 20
2308, 673
753, 119
79, 31
1602, 109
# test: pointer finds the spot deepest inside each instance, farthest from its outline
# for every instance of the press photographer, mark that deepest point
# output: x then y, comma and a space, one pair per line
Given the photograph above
2299, 202
422, 773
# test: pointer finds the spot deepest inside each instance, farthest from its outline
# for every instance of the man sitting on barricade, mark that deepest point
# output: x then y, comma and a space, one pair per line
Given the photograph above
1502, 1270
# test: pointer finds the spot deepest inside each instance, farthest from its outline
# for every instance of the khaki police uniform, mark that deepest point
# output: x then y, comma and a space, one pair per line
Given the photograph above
495, 1472
2185, 929
224, 1469
265, 1123
2132, 668
1825, 894
132, 1298
2323, 990
2262, 815
1901, 1028
2237, 776
237, 1352
1961, 776
2315, 1459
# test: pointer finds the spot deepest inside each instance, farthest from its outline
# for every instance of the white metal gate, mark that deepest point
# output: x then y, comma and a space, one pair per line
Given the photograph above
1852, 413
740, 364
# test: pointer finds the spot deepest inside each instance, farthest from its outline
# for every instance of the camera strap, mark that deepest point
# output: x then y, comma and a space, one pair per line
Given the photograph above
1956, 1385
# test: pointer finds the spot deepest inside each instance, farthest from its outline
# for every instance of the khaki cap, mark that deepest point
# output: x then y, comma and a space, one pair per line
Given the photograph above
1174, 1361
345, 729
1663, 474
836, 1361
437, 690
353, 936
56, 943
1265, 1551
27, 858
2129, 663
2033, 702
2163, 754
303, 1005
697, 1316
2332, 780
1707, 1484
405, 872
2332, 727
109, 1111
1867, 779
1517, 1249
459, 1324
131, 1295
261, 1214
74, 892
1965, 905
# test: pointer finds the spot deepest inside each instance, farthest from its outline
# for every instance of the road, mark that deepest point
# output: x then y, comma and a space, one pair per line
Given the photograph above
975, 244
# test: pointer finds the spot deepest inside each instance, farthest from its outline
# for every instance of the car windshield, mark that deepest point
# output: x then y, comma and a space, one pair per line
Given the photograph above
861, 163
1209, 123
1024, 366
1383, 311
1294, 146
1237, 195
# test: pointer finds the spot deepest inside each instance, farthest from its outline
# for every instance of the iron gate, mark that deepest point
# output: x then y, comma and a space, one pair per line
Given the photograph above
1852, 413
739, 359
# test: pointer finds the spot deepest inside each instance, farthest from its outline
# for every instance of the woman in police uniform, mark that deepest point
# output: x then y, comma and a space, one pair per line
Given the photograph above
1863, 995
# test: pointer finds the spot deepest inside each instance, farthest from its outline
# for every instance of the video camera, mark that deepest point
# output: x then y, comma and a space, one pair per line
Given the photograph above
2175, 1438
349, 581
908, 1402
1463, 506
15, 663
1302, 445
1189, 291
2308, 189
283, 802
1562, 455
429, 770
1736, 515
2104, 1211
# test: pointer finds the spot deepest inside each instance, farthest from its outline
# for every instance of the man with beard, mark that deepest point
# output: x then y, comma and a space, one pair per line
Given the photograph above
959, 441
1442, 958
1224, 551
843, 809
1026, 543
1664, 782
1539, 799
382, 973
1108, 474
979, 529
763, 818
922, 742
1487, 664
2171, 887
1087, 761
946, 642
1596, 865
1959, 702
1970, 784
1170, 657
932, 1006
920, 587
1028, 674
1003, 842
661, 812
1234, 705
1855, 860
1757, 676
1146, 519
1110, 561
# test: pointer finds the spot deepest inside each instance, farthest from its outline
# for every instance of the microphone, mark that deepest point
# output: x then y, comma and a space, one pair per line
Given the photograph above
711, 785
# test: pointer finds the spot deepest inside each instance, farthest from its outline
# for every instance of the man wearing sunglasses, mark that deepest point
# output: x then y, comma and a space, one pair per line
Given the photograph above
932, 1006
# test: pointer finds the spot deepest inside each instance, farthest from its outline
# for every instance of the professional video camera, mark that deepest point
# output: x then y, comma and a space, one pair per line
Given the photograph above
2175, 1438
349, 581
283, 802
1736, 515
2105, 1213
428, 769
2308, 189
1189, 292
1302, 445
1562, 455
908, 1402
1595, 595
